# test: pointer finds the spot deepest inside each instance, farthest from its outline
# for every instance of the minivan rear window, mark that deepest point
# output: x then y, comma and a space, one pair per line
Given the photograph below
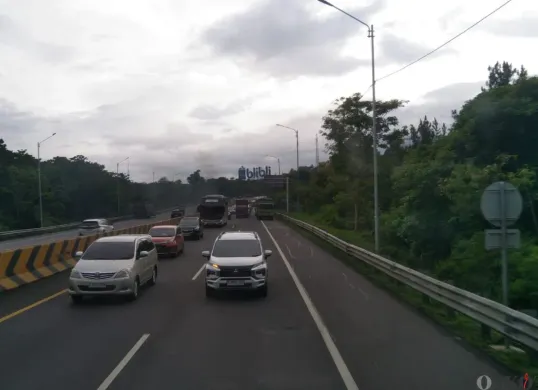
109, 250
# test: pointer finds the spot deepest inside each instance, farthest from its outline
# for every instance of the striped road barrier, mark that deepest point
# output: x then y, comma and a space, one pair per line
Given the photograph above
27, 265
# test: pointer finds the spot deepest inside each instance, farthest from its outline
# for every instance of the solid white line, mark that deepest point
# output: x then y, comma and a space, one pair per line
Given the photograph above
331, 346
198, 273
108, 381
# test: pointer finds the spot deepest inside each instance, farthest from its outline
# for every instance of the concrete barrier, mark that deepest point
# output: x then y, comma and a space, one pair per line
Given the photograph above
27, 265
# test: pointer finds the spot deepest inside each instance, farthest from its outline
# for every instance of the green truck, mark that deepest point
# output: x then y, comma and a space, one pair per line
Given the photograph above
265, 208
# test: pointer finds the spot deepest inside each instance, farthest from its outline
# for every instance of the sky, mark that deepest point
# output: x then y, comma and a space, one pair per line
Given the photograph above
177, 86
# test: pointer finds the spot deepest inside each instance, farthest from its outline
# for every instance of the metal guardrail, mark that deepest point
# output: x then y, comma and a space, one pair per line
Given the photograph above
511, 323
57, 228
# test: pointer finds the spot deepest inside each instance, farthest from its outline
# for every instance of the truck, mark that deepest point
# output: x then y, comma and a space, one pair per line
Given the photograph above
213, 210
242, 208
265, 208
143, 210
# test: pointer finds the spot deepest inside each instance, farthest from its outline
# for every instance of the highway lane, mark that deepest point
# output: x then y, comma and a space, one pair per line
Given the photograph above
234, 342
193, 343
68, 234
388, 345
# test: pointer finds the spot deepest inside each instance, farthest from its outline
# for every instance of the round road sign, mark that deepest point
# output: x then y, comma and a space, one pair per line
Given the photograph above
490, 203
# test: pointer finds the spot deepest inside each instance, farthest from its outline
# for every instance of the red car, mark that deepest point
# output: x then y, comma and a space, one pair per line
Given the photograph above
167, 239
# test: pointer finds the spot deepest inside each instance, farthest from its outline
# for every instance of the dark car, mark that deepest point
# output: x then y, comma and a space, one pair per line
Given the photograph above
192, 227
177, 213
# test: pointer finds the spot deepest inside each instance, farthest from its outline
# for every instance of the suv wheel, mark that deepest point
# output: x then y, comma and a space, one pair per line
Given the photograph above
209, 292
76, 299
263, 291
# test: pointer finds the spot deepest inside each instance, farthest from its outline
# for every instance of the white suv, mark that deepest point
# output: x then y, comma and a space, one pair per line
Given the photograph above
95, 226
237, 262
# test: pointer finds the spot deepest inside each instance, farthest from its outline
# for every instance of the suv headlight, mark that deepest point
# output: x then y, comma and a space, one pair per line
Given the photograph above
75, 274
260, 271
212, 271
122, 274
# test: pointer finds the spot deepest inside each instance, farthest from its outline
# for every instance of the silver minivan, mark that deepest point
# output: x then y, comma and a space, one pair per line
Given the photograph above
116, 265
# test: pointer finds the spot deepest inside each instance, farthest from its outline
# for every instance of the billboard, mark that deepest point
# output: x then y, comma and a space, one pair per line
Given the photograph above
256, 173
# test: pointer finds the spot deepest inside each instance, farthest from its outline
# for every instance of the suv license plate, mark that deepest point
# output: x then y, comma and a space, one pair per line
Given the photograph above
97, 285
236, 283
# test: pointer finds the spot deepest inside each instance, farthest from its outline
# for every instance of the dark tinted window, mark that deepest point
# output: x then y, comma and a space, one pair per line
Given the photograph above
188, 222
162, 232
109, 251
265, 206
89, 224
237, 248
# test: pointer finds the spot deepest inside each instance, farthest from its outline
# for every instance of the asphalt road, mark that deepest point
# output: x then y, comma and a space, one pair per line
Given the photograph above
321, 326
68, 234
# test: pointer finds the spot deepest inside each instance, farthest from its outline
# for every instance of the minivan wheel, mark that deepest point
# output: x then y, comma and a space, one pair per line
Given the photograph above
136, 288
153, 279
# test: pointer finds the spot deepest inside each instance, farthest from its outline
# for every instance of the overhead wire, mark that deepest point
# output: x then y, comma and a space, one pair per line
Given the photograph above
442, 45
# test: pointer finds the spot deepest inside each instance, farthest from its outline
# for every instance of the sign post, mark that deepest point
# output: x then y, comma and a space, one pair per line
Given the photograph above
501, 205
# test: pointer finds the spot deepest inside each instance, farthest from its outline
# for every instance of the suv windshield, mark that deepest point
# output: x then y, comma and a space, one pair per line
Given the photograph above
109, 251
162, 232
237, 248
89, 224
188, 222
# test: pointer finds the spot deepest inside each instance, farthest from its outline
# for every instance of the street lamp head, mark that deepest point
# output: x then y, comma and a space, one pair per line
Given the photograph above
326, 3
53, 134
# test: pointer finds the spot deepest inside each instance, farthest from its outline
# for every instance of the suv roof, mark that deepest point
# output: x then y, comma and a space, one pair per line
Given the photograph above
238, 236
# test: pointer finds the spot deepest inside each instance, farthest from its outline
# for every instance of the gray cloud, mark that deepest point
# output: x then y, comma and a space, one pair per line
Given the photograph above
281, 38
12, 35
396, 50
439, 103
211, 113
522, 27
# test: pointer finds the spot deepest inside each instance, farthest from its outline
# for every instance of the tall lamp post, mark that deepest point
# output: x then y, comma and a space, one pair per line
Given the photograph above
39, 177
374, 130
118, 183
297, 142
277, 159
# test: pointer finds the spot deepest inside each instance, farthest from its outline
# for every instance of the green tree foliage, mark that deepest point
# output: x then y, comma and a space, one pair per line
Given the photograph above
76, 188
431, 178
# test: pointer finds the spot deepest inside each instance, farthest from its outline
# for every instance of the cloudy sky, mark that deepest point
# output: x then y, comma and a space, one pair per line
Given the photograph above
180, 85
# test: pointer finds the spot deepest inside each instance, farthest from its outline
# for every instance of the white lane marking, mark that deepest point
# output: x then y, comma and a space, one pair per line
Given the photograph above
289, 251
198, 273
311, 252
108, 381
325, 334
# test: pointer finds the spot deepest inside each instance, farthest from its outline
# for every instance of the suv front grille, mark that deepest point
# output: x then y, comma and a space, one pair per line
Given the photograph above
230, 272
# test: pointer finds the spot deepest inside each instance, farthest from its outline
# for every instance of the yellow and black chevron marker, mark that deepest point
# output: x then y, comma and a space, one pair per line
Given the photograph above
26, 265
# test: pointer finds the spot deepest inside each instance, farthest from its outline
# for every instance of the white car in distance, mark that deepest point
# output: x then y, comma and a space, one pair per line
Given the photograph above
95, 226
116, 265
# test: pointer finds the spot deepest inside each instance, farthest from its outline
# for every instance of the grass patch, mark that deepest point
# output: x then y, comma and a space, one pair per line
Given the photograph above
513, 362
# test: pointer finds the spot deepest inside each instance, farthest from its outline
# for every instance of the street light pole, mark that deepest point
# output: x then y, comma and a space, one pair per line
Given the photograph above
374, 124
278, 160
118, 182
297, 142
39, 177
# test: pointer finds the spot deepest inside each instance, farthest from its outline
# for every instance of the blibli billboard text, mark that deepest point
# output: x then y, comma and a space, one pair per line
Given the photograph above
256, 173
